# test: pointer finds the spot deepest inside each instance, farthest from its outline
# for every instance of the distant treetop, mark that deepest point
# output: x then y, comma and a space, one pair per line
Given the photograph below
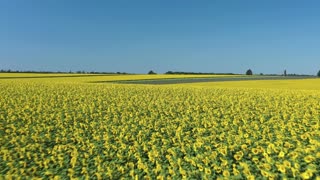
151, 72
249, 72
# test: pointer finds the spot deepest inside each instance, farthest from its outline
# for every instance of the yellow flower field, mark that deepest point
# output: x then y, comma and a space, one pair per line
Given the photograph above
63, 128
298, 84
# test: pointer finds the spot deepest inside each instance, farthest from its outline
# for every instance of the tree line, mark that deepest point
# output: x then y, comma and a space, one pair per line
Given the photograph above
61, 72
249, 72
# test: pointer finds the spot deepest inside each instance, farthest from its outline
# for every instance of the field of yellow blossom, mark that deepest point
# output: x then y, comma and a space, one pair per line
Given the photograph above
65, 127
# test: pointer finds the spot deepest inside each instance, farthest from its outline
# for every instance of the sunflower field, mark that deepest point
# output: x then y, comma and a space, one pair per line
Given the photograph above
61, 129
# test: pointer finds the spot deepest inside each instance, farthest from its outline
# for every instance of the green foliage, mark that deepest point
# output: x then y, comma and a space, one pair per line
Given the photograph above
151, 72
249, 72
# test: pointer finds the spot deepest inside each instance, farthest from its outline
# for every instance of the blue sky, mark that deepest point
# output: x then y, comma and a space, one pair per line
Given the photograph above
179, 35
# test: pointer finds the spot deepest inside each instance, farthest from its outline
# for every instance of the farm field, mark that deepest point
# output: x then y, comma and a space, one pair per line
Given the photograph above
187, 80
106, 77
74, 127
44, 75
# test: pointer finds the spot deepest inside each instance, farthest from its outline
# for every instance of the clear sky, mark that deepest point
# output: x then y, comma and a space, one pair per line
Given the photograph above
136, 36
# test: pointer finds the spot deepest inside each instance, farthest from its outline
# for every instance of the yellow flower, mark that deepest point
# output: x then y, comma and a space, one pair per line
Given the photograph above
70, 172
226, 173
235, 171
272, 148
84, 170
207, 171
237, 157
297, 165
250, 177
304, 137
193, 163
261, 149
294, 172
309, 159
287, 145
294, 155
214, 155
73, 161
267, 166
48, 173
269, 150
306, 175
160, 177
131, 173
246, 172
206, 160
281, 154
98, 175
131, 165
217, 169
182, 172
121, 169
244, 147
255, 160
287, 164
171, 171
264, 173
281, 168
255, 151
223, 151
244, 165
224, 162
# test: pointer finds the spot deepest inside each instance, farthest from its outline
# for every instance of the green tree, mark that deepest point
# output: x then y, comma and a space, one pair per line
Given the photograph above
249, 72
318, 73
151, 72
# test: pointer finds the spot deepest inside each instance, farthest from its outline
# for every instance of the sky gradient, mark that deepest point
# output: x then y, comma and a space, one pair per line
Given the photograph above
219, 36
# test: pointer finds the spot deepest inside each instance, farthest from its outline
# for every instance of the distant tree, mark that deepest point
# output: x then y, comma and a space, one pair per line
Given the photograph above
151, 72
261, 74
249, 72
285, 73
318, 73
